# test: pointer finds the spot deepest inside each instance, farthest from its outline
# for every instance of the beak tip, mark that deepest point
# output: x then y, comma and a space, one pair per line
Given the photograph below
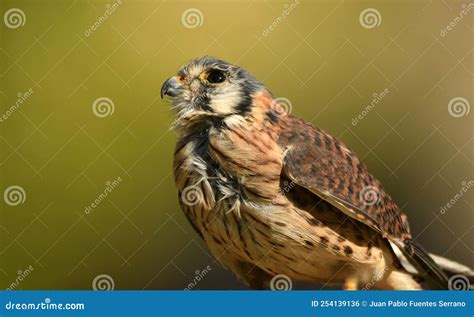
164, 89
171, 87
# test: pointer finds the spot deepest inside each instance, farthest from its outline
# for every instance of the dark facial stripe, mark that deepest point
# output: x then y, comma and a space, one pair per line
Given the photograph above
245, 103
203, 103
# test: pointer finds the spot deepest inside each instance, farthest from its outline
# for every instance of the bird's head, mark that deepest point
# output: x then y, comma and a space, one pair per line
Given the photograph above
210, 90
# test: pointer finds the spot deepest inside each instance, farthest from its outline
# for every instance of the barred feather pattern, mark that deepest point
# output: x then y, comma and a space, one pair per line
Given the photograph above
271, 194
249, 220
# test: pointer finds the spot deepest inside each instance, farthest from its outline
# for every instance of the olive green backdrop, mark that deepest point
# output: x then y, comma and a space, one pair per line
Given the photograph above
93, 122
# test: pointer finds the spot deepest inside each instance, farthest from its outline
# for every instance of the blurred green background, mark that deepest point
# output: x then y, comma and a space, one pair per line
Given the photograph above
322, 55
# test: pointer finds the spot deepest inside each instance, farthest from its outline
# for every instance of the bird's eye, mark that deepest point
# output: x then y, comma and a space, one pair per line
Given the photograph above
215, 76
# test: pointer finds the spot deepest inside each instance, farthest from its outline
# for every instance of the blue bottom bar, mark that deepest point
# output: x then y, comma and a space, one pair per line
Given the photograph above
236, 303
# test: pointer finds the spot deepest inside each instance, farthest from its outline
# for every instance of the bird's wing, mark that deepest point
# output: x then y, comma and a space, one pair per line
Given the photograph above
323, 165
318, 162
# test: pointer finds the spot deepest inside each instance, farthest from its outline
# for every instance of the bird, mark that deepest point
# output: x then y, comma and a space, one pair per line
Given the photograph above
272, 195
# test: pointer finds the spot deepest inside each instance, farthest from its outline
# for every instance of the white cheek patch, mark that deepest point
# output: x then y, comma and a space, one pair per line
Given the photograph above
226, 100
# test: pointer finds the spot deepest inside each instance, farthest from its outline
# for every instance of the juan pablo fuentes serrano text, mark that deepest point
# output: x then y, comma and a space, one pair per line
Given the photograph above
400, 303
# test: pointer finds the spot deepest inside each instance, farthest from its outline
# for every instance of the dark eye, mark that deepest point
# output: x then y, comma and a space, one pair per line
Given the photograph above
215, 76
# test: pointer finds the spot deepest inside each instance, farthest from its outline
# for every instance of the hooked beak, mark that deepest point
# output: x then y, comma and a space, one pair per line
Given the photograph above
172, 87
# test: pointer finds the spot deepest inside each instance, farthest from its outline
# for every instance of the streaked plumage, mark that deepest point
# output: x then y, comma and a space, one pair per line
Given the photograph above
271, 194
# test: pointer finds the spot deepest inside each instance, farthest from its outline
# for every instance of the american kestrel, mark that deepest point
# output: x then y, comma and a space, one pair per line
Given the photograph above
270, 194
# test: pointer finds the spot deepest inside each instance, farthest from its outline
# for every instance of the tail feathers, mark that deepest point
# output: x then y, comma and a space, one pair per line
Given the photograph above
451, 267
425, 266
431, 271
460, 277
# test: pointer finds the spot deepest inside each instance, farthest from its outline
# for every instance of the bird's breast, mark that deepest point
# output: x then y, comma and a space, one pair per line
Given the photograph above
252, 156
